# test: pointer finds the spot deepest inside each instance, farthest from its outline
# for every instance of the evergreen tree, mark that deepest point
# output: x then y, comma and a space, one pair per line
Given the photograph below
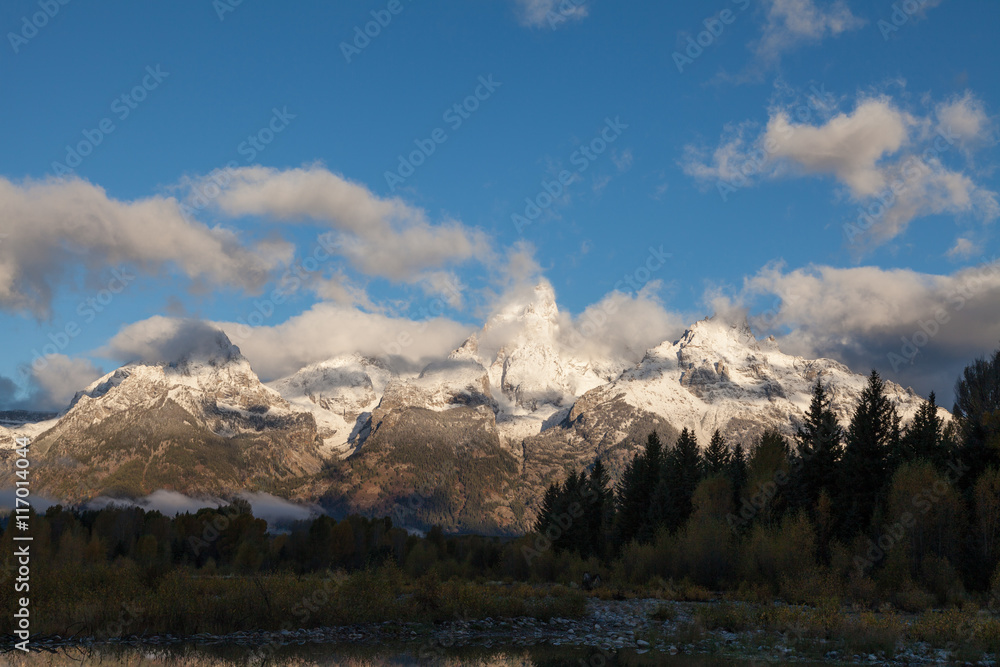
682, 473
636, 489
547, 511
977, 412
924, 437
871, 436
820, 449
599, 510
717, 456
737, 472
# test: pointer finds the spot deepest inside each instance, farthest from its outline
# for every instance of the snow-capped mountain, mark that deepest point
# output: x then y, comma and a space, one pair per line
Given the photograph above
202, 421
475, 437
719, 376
533, 373
341, 394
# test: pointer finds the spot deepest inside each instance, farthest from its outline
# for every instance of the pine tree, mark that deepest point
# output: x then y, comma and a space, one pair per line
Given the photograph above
924, 437
977, 412
871, 436
682, 472
636, 489
716, 460
599, 509
820, 449
737, 472
548, 509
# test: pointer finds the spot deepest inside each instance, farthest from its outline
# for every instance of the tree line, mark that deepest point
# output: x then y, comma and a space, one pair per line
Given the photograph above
871, 504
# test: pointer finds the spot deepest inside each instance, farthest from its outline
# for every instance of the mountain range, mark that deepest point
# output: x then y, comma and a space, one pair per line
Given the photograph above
469, 441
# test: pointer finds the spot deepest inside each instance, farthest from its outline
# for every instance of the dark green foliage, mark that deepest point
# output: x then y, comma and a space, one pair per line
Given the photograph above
635, 490
717, 456
977, 411
820, 448
681, 474
872, 435
923, 439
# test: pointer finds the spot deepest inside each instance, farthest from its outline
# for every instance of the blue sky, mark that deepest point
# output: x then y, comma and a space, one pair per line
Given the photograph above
742, 157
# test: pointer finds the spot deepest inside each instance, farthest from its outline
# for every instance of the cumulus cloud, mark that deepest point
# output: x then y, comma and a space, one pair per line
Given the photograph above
963, 249
888, 160
55, 227
380, 237
166, 340
918, 329
624, 326
793, 23
964, 119
51, 383
543, 13
327, 330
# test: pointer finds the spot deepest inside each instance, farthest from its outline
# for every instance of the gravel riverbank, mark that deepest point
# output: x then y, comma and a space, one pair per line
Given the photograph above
635, 625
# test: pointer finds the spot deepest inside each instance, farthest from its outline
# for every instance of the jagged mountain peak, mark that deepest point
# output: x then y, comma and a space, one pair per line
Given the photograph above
533, 306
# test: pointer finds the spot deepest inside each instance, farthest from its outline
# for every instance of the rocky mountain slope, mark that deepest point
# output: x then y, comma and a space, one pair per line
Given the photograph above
201, 423
469, 442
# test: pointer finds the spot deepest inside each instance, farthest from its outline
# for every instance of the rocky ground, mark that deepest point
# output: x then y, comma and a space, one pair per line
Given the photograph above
637, 626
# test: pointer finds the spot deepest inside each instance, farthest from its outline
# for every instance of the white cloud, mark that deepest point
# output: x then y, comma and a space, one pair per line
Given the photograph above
550, 13
963, 249
380, 237
165, 339
624, 326
792, 23
964, 118
327, 330
54, 227
889, 160
50, 384
864, 317
60, 378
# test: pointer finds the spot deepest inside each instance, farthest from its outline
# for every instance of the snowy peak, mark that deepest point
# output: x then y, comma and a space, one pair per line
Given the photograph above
535, 310
521, 348
341, 394
718, 375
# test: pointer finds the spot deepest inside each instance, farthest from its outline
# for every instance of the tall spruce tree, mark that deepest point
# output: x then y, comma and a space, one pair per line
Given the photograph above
636, 489
598, 510
820, 447
716, 460
737, 472
682, 472
924, 437
977, 412
872, 435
